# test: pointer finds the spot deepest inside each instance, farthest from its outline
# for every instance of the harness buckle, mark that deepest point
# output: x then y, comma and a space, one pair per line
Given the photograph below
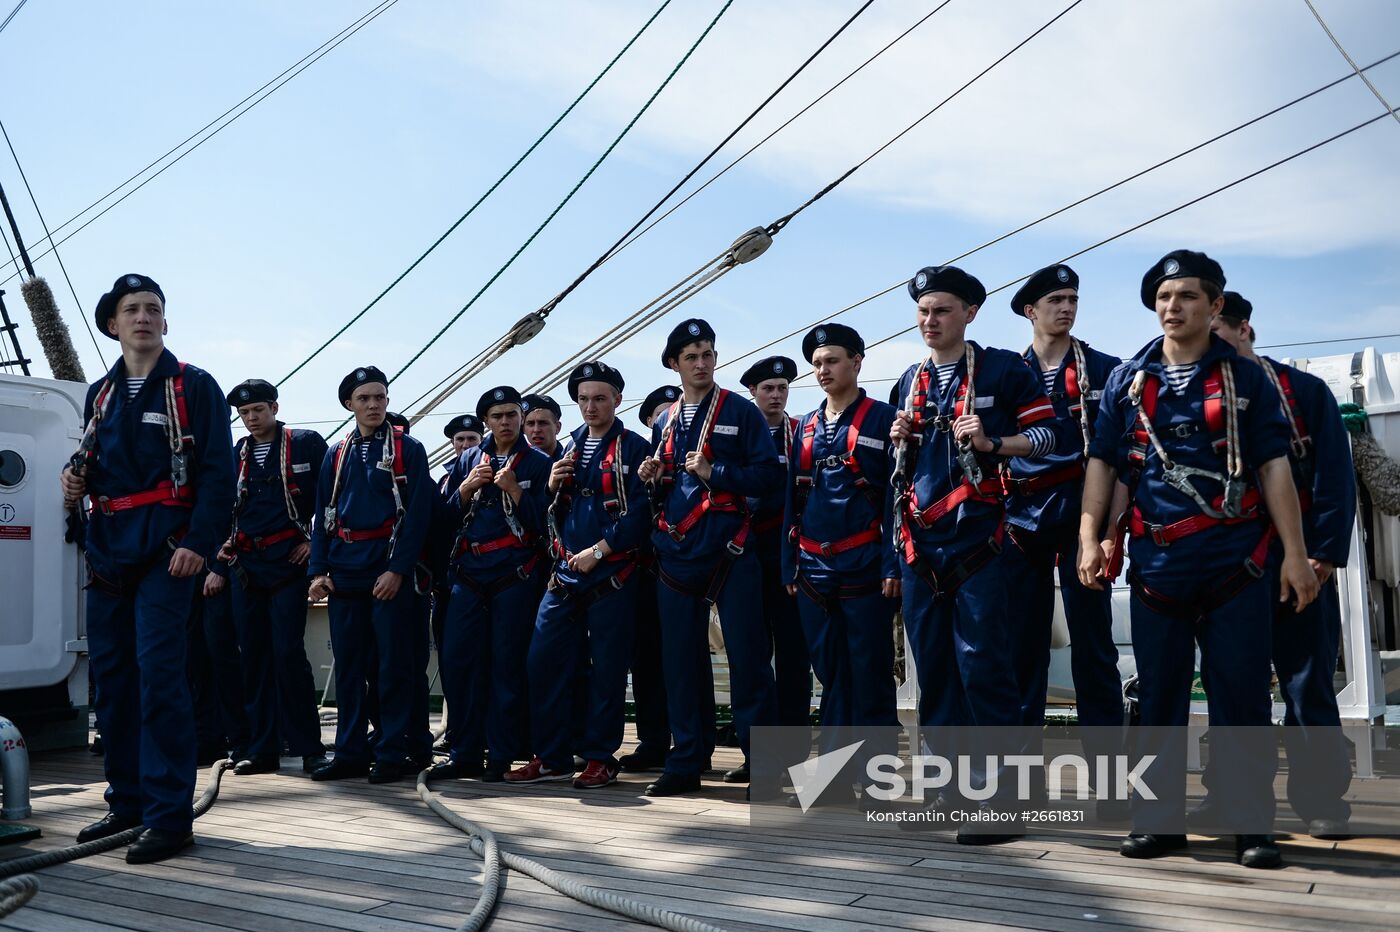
1155, 531
585, 492
826, 548
1182, 431
941, 422
1253, 569
831, 462
676, 535
735, 548
180, 468
103, 503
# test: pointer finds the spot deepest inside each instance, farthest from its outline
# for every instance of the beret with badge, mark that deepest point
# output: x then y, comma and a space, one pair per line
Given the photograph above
530, 403
1049, 279
1237, 306
1180, 263
832, 335
468, 422
364, 375
773, 367
251, 392
947, 278
127, 284
500, 395
594, 372
685, 333
666, 394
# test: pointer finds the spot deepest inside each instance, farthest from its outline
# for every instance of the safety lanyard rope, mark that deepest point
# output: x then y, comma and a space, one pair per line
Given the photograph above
1081, 381
1297, 442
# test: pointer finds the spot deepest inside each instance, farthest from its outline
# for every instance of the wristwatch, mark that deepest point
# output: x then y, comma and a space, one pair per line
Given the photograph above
996, 445
597, 553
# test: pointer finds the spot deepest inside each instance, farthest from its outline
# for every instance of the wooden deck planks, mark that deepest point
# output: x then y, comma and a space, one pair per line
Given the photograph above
282, 852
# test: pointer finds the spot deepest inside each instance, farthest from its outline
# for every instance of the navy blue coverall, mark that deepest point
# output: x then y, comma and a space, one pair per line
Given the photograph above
590, 618
1191, 571
491, 613
269, 594
1042, 516
836, 549
137, 613
744, 463
364, 629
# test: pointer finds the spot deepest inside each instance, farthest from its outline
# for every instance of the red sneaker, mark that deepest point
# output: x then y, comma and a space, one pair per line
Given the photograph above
536, 772
598, 773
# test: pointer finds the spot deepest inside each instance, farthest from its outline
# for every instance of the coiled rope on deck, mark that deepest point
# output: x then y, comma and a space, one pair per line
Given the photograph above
483, 843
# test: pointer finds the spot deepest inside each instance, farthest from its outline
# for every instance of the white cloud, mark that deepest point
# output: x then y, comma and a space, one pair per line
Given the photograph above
1109, 89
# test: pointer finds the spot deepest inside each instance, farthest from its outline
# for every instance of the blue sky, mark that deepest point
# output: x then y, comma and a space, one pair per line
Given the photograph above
274, 232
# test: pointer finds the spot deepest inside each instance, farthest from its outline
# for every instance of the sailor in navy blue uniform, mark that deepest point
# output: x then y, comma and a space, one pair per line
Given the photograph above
1042, 518
1199, 434
964, 408
543, 420
1305, 644
599, 518
648, 683
712, 449
266, 553
156, 462
465, 431
837, 558
767, 381
374, 501
500, 500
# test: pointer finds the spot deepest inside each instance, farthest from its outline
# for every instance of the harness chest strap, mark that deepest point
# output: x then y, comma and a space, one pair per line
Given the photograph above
711, 500
773, 522
175, 491
393, 449
505, 541
806, 479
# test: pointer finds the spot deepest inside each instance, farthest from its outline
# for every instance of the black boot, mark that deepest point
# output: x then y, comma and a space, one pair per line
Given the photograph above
1151, 846
1257, 851
157, 845
673, 784
340, 770
108, 825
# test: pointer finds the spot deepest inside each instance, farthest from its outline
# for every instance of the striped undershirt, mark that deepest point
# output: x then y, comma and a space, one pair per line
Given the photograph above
687, 414
1042, 441
260, 451
1180, 375
1048, 375
586, 451
133, 386
944, 374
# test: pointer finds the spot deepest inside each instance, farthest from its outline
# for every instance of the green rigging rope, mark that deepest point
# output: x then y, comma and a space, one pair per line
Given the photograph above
568, 197
472, 209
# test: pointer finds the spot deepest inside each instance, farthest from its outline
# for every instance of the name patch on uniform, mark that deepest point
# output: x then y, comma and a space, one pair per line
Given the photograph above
874, 443
301, 467
1094, 395
730, 430
782, 458
154, 417
525, 483
1241, 403
985, 401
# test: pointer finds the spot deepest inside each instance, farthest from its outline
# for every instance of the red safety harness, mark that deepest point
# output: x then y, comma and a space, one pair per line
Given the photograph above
390, 525
988, 491
806, 475
247, 542
711, 500
1070, 472
173, 492
504, 542
1248, 509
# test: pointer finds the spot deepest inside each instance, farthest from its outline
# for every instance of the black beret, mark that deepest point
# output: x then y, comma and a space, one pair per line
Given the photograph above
947, 278
594, 372
1237, 306
686, 332
396, 419
529, 403
463, 422
1180, 263
361, 376
127, 284
832, 335
666, 394
251, 392
500, 395
773, 367
1051, 278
